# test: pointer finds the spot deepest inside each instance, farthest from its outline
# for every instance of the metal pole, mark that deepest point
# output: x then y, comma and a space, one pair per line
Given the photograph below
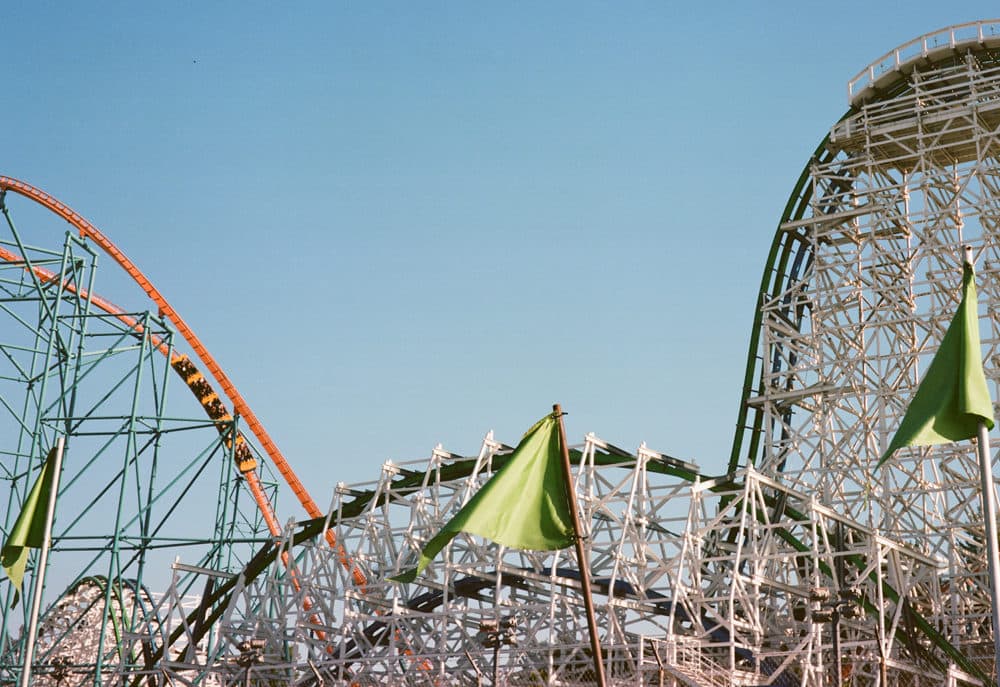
479, 673
43, 557
990, 516
496, 664
838, 564
659, 662
581, 556
883, 671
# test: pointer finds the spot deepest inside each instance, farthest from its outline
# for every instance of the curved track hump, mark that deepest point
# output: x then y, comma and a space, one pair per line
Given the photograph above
89, 231
241, 407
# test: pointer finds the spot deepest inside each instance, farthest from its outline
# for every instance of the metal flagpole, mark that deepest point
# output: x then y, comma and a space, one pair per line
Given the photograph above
989, 499
43, 556
582, 561
990, 516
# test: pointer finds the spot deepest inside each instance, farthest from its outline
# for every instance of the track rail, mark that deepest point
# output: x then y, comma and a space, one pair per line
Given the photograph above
239, 404
242, 408
785, 261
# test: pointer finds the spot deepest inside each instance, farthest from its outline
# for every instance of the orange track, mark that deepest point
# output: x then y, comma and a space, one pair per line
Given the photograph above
89, 231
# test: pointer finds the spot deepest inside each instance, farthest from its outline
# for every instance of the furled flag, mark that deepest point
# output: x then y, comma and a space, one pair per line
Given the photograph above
952, 399
525, 505
29, 528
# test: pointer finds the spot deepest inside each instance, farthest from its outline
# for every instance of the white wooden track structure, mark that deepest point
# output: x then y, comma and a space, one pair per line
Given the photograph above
804, 565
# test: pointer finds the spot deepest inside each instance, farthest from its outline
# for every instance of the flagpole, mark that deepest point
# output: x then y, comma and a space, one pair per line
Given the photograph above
582, 561
43, 555
990, 517
989, 499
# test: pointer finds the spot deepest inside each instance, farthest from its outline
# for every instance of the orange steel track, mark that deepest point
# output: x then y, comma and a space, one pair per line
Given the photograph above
89, 231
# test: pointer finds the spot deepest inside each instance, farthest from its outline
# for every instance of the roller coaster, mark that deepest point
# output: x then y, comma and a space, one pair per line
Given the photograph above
801, 566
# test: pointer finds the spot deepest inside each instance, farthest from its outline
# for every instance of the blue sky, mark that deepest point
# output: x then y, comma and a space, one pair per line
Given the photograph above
398, 224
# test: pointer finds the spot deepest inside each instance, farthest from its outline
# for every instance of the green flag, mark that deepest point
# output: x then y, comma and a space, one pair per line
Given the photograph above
29, 528
952, 399
524, 505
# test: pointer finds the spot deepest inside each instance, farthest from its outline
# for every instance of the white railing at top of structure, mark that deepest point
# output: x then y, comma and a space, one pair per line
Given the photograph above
951, 37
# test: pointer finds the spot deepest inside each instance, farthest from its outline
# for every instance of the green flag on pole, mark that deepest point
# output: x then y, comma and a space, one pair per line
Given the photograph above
525, 505
29, 528
953, 398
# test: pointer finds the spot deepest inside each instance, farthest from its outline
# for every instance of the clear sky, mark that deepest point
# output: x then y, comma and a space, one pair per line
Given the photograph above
398, 224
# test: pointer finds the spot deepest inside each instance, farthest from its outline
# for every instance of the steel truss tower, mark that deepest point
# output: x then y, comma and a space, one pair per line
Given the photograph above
74, 365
